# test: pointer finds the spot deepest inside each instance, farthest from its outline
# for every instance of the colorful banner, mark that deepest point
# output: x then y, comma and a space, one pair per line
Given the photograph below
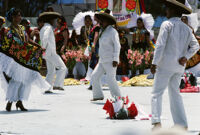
124, 12
122, 20
117, 5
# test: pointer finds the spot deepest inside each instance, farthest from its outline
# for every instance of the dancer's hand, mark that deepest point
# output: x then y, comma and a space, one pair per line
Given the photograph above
153, 69
182, 61
115, 63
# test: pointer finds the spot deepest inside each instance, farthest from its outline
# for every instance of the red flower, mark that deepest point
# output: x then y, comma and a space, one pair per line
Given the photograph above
132, 111
25, 44
131, 4
103, 4
30, 52
27, 58
109, 108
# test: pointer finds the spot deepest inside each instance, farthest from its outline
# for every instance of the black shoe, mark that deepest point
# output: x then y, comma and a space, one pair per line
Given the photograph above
90, 88
96, 99
8, 106
58, 88
48, 92
20, 106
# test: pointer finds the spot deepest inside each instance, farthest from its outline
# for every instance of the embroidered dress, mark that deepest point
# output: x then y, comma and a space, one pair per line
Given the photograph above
94, 57
84, 36
60, 38
14, 46
140, 39
2, 33
123, 66
21, 62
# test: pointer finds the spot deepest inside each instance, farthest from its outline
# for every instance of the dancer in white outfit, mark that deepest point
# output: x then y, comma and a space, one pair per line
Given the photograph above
53, 60
109, 50
175, 45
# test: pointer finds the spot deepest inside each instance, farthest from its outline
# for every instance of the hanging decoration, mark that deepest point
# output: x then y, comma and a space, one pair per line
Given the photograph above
131, 5
142, 6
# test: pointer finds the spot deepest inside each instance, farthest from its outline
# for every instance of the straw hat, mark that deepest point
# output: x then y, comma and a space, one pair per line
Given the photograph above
180, 4
106, 16
49, 14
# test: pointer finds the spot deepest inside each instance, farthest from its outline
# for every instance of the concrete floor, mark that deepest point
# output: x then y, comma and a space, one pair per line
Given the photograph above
70, 112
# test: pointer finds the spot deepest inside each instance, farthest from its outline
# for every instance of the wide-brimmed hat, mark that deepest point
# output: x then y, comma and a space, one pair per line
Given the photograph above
53, 15
180, 4
106, 16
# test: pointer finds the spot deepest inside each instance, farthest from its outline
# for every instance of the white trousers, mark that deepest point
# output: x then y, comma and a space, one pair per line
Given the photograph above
163, 79
110, 71
17, 91
89, 73
55, 65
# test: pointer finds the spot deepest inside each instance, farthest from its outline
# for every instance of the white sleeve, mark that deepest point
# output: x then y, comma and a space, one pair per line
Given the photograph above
161, 43
117, 46
45, 38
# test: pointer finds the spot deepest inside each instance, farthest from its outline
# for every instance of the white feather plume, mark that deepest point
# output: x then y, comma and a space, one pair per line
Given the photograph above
193, 21
147, 20
78, 20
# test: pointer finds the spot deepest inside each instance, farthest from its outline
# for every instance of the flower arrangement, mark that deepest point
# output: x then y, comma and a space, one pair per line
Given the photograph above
139, 60
120, 108
189, 83
70, 57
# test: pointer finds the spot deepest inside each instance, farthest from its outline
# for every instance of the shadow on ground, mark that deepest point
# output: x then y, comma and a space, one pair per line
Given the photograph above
19, 112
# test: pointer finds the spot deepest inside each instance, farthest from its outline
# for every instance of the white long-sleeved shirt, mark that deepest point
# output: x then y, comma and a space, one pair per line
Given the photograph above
175, 40
109, 45
48, 39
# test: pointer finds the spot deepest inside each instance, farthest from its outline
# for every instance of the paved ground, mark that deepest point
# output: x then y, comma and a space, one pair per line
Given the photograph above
71, 113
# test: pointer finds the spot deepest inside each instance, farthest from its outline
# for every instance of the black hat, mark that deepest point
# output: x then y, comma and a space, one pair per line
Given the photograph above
53, 15
180, 4
106, 16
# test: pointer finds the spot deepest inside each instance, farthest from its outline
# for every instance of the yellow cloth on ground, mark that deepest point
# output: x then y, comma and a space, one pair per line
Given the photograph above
69, 81
138, 81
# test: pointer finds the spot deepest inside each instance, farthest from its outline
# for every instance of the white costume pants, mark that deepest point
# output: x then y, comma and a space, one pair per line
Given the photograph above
163, 79
110, 71
55, 65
